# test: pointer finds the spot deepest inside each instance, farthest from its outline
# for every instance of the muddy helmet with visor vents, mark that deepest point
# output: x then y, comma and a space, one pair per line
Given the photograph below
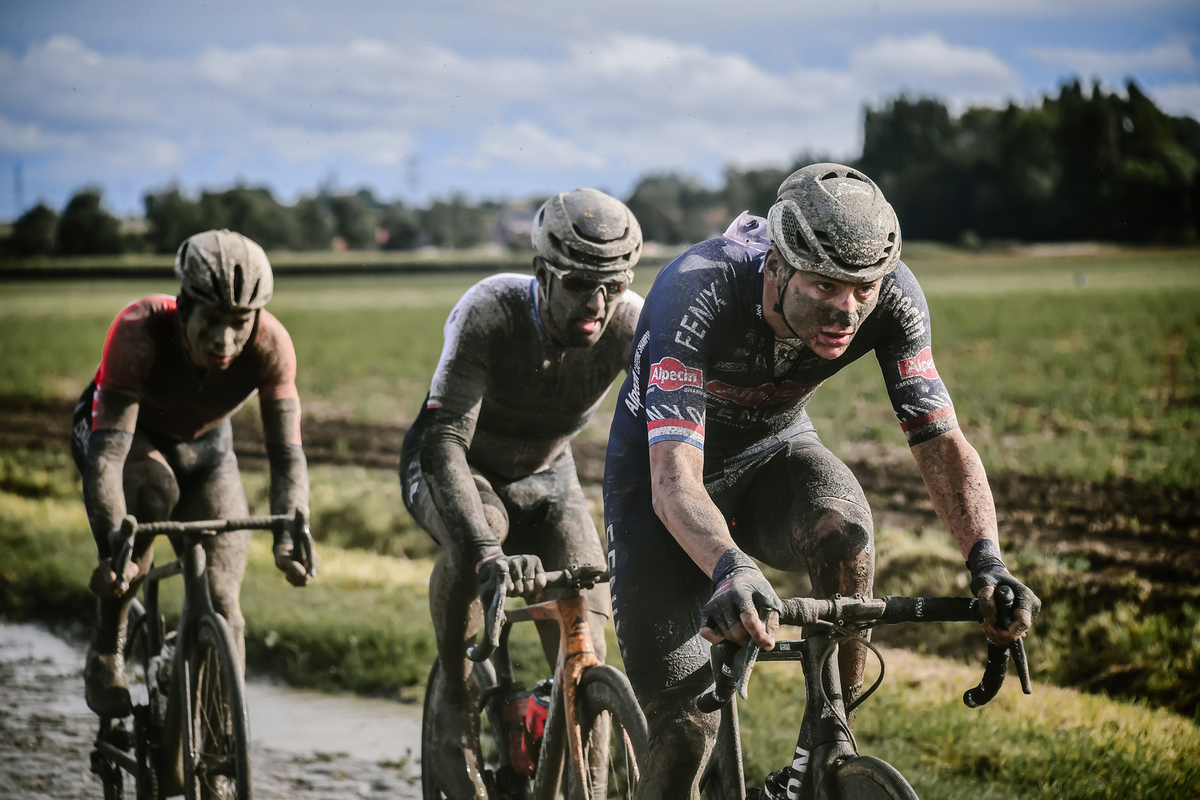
587, 231
833, 220
225, 270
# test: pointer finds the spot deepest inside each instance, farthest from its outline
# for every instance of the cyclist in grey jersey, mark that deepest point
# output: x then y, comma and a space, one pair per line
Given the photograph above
487, 467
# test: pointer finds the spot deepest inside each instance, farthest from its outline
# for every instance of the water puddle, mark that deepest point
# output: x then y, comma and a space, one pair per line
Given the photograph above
299, 721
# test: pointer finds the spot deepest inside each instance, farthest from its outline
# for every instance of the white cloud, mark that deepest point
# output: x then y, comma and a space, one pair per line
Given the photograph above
929, 64
1180, 99
1087, 63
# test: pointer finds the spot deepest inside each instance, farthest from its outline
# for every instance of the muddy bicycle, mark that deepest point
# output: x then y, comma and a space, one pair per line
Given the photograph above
593, 734
193, 708
826, 764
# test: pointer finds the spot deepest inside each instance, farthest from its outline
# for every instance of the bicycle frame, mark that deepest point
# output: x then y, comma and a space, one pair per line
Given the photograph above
575, 655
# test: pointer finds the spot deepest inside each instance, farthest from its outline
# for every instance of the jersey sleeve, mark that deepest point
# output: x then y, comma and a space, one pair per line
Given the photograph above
919, 398
686, 313
129, 349
277, 371
460, 379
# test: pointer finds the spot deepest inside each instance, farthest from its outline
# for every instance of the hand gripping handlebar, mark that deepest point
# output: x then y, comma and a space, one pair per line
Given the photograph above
573, 577
296, 525
736, 662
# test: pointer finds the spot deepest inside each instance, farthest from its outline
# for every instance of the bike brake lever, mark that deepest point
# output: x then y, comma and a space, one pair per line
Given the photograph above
308, 550
1022, 665
493, 626
125, 552
743, 665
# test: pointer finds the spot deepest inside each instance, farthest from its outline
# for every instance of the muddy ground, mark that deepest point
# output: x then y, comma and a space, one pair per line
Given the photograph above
46, 735
1120, 527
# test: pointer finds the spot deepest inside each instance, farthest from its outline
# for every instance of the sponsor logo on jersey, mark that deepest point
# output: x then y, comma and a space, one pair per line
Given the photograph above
670, 374
921, 364
755, 396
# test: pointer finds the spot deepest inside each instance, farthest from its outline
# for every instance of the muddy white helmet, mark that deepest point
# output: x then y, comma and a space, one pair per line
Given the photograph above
224, 269
587, 230
833, 220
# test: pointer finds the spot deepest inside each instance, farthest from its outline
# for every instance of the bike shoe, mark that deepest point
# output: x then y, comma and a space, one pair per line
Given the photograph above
104, 685
775, 787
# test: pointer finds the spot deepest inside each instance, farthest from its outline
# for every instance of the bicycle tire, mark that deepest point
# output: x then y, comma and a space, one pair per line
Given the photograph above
216, 732
484, 680
868, 778
606, 690
147, 735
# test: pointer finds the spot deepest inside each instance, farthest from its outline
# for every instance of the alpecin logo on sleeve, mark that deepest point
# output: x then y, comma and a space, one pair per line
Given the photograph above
670, 374
920, 364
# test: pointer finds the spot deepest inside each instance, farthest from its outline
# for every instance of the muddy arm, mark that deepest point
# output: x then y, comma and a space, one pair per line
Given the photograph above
103, 478
448, 476
289, 468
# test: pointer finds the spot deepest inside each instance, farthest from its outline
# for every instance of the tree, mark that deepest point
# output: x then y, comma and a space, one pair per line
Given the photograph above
172, 217
86, 227
34, 233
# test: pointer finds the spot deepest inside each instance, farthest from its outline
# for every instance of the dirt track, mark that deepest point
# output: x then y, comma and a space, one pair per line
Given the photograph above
1120, 527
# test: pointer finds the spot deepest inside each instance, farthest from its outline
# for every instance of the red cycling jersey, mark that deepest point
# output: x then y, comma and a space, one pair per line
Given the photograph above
144, 356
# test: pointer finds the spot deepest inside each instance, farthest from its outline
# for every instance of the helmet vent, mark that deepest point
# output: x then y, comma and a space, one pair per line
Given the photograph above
254, 293
596, 239
238, 283
829, 176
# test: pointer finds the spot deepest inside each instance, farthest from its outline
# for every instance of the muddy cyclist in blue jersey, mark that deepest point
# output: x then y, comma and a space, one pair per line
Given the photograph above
712, 458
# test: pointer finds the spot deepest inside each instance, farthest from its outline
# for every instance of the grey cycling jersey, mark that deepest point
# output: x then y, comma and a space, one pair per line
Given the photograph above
525, 395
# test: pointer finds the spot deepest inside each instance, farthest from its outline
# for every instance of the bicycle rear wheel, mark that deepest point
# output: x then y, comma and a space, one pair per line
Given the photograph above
613, 723
216, 733
867, 778
489, 744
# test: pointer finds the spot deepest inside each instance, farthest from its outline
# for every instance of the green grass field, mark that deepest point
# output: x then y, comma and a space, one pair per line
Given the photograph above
1092, 383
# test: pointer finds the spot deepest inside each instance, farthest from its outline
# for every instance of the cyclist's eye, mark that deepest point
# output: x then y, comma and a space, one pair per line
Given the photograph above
574, 285
615, 287
825, 287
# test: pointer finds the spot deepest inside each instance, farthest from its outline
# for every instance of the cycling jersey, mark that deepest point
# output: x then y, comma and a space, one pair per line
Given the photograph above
144, 357
706, 368
526, 394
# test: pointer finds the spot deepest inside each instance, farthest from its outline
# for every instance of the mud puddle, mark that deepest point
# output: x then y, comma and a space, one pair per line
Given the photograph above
305, 745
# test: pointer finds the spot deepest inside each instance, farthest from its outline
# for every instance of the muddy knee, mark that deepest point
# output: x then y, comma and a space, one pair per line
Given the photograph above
151, 491
838, 545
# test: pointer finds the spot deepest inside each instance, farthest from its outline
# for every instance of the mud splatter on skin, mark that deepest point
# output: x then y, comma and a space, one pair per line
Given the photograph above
813, 313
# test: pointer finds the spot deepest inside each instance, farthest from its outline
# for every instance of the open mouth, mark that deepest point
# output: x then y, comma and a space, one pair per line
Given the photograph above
836, 338
587, 326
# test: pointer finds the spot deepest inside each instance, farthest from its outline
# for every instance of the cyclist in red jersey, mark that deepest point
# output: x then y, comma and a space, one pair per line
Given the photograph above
152, 436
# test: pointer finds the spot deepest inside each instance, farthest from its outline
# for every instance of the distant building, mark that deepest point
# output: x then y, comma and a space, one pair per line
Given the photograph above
514, 223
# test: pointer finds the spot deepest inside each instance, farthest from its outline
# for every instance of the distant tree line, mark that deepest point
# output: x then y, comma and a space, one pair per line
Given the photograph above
1094, 166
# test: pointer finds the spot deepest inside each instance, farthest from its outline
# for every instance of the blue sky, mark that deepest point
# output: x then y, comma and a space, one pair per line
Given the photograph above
416, 100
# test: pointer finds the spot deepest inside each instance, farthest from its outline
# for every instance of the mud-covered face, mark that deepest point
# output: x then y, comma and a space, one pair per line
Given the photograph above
578, 308
214, 337
825, 313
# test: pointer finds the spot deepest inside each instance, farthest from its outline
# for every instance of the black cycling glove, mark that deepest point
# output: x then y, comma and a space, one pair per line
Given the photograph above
741, 587
513, 575
987, 569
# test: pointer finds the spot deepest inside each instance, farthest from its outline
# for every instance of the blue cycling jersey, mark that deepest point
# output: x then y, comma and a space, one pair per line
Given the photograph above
706, 368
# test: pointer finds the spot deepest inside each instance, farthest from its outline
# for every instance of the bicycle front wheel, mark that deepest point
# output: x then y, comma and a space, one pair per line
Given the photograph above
615, 734
216, 733
867, 778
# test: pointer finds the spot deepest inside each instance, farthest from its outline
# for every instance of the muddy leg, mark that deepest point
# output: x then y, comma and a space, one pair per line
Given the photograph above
151, 492
457, 615
681, 739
